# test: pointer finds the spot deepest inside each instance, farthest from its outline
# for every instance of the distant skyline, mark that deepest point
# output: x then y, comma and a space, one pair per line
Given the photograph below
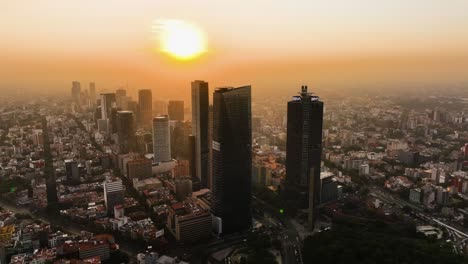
271, 45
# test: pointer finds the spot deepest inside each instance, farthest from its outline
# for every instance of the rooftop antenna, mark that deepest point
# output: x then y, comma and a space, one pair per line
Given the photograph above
304, 92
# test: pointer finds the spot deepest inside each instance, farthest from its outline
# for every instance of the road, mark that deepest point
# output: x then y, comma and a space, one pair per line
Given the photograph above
457, 233
289, 237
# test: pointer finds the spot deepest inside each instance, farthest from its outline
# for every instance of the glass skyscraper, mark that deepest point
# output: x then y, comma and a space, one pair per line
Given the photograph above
304, 150
200, 130
232, 159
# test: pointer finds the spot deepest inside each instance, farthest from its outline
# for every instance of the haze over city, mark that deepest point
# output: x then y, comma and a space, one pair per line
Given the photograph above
233, 132
331, 45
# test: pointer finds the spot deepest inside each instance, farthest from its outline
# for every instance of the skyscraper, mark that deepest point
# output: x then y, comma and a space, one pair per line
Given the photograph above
121, 99
176, 110
304, 150
125, 131
192, 155
107, 103
232, 159
145, 102
76, 93
200, 103
92, 93
161, 139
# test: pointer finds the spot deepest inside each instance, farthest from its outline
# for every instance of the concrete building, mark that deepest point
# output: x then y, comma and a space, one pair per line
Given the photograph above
125, 131
189, 221
145, 104
415, 195
161, 139
329, 187
113, 193
71, 170
89, 249
183, 188
139, 168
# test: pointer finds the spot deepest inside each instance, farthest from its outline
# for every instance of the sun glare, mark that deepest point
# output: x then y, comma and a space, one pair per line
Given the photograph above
180, 39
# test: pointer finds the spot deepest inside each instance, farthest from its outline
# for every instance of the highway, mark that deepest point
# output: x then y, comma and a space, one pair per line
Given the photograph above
457, 234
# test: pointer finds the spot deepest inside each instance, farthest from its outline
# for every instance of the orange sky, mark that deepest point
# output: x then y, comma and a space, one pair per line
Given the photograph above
273, 45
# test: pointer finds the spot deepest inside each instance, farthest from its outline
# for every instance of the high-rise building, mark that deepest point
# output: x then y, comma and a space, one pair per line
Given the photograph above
107, 103
176, 110
200, 120
192, 156
179, 139
232, 159
304, 150
107, 106
76, 92
113, 193
161, 139
71, 170
145, 102
210, 143
121, 99
92, 93
125, 131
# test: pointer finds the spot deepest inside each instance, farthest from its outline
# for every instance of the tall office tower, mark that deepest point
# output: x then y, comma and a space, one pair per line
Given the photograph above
49, 172
76, 92
125, 131
71, 170
159, 108
232, 159
200, 117
92, 93
210, 144
113, 194
132, 106
176, 110
113, 120
121, 98
161, 139
145, 102
304, 150
107, 103
179, 139
192, 156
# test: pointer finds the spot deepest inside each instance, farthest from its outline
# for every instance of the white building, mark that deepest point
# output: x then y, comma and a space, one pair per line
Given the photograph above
161, 139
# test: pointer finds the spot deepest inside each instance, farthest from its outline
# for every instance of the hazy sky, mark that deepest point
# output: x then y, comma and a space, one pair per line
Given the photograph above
45, 44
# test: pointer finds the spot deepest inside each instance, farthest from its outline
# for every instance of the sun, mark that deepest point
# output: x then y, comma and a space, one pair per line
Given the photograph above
180, 39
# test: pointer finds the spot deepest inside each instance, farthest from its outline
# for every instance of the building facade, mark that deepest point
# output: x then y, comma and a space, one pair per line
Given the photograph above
145, 105
200, 102
232, 159
125, 131
161, 139
113, 194
304, 150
